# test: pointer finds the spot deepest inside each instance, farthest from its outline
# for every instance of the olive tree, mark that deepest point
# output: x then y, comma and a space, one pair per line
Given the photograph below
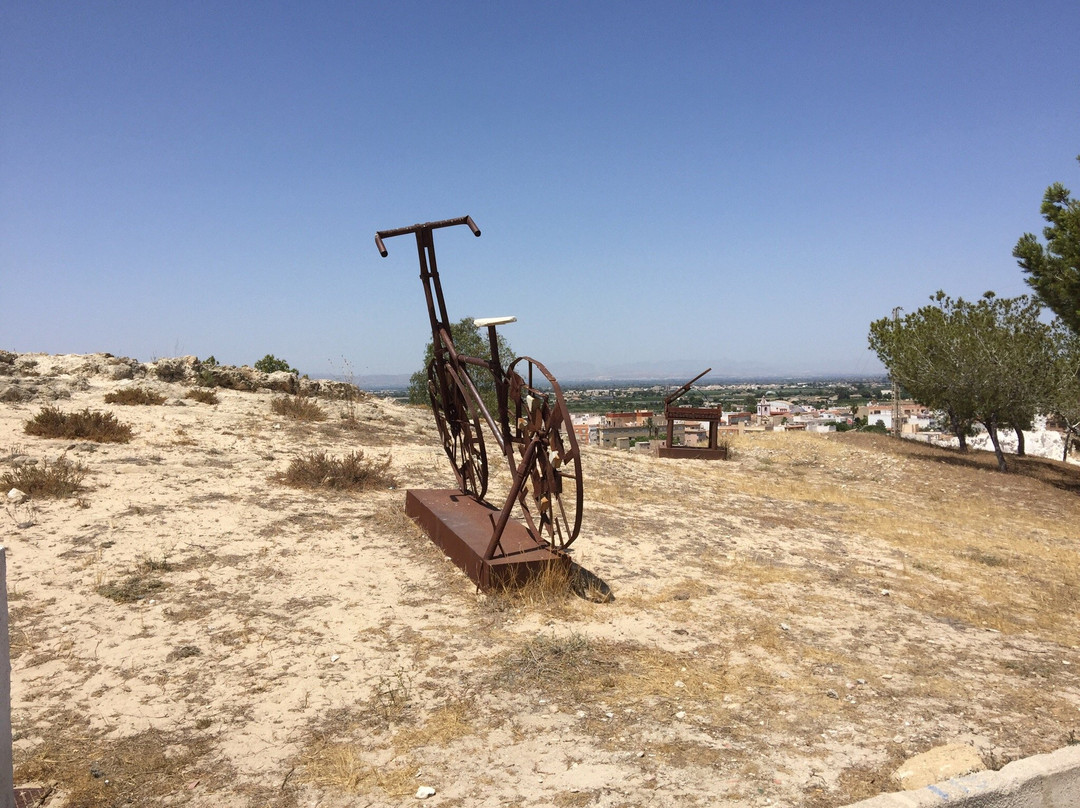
991, 361
470, 340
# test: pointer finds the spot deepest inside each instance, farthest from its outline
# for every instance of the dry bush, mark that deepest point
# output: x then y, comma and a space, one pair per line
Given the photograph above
171, 370
134, 395
203, 396
353, 472
57, 480
100, 427
299, 408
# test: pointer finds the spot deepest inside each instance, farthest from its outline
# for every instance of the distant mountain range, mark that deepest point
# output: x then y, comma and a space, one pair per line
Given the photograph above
680, 371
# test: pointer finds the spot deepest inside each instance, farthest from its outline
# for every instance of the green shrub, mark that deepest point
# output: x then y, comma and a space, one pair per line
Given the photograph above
171, 370
271, 364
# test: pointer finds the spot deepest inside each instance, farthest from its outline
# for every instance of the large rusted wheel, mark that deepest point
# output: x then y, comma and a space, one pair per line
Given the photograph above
459, 429
553, 490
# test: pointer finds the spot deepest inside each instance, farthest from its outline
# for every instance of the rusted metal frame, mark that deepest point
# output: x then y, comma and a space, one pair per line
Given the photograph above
685, 387
457, 433
550, 424
516, 491
429, 277
502, 391
462, 359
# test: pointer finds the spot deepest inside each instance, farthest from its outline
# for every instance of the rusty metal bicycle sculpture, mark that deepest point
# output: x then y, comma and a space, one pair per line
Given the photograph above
532, 429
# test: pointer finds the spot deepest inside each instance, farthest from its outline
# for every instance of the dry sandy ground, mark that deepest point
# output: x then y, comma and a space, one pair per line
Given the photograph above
786, 628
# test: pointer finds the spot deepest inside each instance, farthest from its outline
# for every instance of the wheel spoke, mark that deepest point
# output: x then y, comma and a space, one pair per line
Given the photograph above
555, 490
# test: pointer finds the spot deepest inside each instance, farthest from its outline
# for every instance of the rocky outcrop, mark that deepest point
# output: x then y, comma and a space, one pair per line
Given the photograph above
26, 377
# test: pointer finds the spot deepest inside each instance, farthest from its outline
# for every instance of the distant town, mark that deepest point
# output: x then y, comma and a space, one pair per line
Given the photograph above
633, 416
630, 415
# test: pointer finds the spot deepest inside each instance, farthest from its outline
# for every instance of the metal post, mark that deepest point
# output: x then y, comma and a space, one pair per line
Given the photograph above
896, 408
7, 786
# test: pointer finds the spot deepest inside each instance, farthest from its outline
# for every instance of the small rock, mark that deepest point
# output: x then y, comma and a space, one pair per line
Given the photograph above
940, 763
334, 657
785, 627
832, 694
16, 496
885, 592
681, 714
424, 792
681, 684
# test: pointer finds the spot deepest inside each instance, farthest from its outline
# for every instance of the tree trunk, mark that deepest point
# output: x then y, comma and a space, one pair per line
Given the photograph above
1020, 443
959, 430
991, 427
1065, 454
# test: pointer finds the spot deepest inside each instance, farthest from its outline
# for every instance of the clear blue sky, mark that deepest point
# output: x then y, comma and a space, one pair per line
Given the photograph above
742, 184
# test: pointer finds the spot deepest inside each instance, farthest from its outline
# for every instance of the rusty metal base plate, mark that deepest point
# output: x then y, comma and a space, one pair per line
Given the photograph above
32, 796
462, 527
693, 452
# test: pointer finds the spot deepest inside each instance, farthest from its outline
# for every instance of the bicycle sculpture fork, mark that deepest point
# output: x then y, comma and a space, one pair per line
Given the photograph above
532, 428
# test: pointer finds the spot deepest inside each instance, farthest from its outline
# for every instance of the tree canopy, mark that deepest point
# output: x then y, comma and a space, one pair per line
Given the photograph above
1053, 270
471, 341
992, 361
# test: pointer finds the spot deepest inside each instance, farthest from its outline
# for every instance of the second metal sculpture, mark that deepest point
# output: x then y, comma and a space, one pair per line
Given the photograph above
531, 428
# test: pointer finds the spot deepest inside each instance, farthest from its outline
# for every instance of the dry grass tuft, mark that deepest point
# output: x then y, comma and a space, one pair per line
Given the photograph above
445, 725
144, 769
557, 661
202, 395
134, 395
56, 481
100, 427
341, 766
353, 472
550, 587
299, 408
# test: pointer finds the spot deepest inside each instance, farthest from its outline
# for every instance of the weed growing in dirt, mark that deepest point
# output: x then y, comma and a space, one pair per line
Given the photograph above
299, 408
134, 395
56, 480
203, 396
138, 585
353, 472
100, 427
393, 693
552, 658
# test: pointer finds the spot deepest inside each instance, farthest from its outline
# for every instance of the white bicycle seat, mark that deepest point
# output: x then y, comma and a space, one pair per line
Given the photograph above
483, 322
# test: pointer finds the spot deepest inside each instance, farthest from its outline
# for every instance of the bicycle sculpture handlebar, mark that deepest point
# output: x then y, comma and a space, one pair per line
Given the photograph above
401, 231
532, 427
